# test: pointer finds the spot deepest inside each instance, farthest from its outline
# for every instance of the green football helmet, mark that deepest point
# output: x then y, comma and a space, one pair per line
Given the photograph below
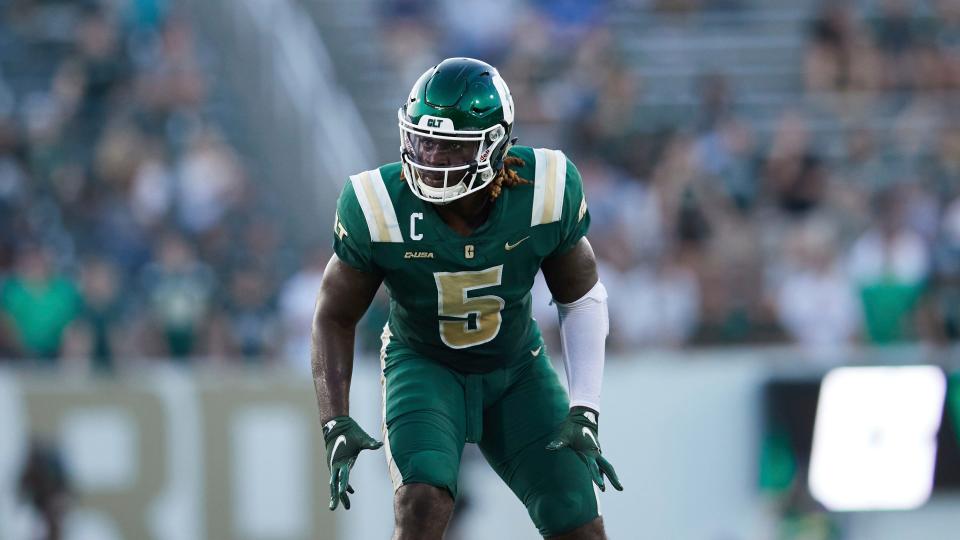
455, 130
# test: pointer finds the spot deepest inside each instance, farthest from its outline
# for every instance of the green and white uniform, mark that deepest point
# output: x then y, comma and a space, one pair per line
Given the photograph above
463, 360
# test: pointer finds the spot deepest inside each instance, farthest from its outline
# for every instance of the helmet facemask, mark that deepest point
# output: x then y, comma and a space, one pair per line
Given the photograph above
442, 164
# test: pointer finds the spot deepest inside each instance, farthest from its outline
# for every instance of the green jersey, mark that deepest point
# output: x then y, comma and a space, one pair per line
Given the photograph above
463, 301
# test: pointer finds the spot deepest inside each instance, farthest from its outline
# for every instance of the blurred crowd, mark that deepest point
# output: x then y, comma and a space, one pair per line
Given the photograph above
836, 223
131, 226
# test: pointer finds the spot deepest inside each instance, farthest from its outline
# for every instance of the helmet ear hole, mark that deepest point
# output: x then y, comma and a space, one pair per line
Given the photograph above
495, 134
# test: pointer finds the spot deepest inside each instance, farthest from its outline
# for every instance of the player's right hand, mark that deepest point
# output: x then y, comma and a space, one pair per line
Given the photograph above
344, 440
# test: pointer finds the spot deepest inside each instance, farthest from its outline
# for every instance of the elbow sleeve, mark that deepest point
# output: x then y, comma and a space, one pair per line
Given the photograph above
584, 325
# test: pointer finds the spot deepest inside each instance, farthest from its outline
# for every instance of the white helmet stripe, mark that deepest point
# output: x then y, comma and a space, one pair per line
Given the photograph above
506, 100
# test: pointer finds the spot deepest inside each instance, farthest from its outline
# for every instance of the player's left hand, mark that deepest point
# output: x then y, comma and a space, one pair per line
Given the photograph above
344, 440
579, 432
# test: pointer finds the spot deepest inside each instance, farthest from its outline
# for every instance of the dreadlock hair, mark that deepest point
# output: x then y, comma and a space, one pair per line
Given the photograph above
507, 177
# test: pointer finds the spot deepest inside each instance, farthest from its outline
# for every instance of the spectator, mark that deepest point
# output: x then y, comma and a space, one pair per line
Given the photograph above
815, 301
171, 77
210, 181
942, 306
655, 306
37, 304
862, 166
728, 155
468, 38
112, 224
794, 173
151, 190
298, 298
13, 191
571, 20
716, 101
178, 290
894, 28
411, 39
732, 308
828, 53
102, 317
147, 14
45, 483
102, 67
252, 326
889, 265
943, 168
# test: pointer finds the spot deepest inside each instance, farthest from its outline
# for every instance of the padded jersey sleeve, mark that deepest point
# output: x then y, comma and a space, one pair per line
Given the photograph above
351, 239
574, 218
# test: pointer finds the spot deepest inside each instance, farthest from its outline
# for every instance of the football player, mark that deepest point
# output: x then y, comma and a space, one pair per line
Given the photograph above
457, 230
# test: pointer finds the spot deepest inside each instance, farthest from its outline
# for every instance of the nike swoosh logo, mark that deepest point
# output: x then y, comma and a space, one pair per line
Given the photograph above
341, 440
536, 351
588, 433
508, 246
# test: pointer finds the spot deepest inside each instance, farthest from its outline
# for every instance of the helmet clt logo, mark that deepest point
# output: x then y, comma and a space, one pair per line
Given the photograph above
436, 122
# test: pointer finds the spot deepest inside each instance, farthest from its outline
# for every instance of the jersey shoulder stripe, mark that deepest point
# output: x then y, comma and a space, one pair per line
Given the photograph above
377, 206
550, 173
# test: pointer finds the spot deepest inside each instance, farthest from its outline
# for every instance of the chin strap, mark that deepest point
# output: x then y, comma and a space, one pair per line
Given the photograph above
442, 193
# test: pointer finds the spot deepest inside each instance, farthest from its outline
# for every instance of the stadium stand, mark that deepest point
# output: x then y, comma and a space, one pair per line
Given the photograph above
757, 171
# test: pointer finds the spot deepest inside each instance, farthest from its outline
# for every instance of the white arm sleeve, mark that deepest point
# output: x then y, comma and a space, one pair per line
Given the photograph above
584, 325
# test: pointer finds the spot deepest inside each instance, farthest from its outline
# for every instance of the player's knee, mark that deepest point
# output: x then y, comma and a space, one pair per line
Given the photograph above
419, 505
432, 468
561, 512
